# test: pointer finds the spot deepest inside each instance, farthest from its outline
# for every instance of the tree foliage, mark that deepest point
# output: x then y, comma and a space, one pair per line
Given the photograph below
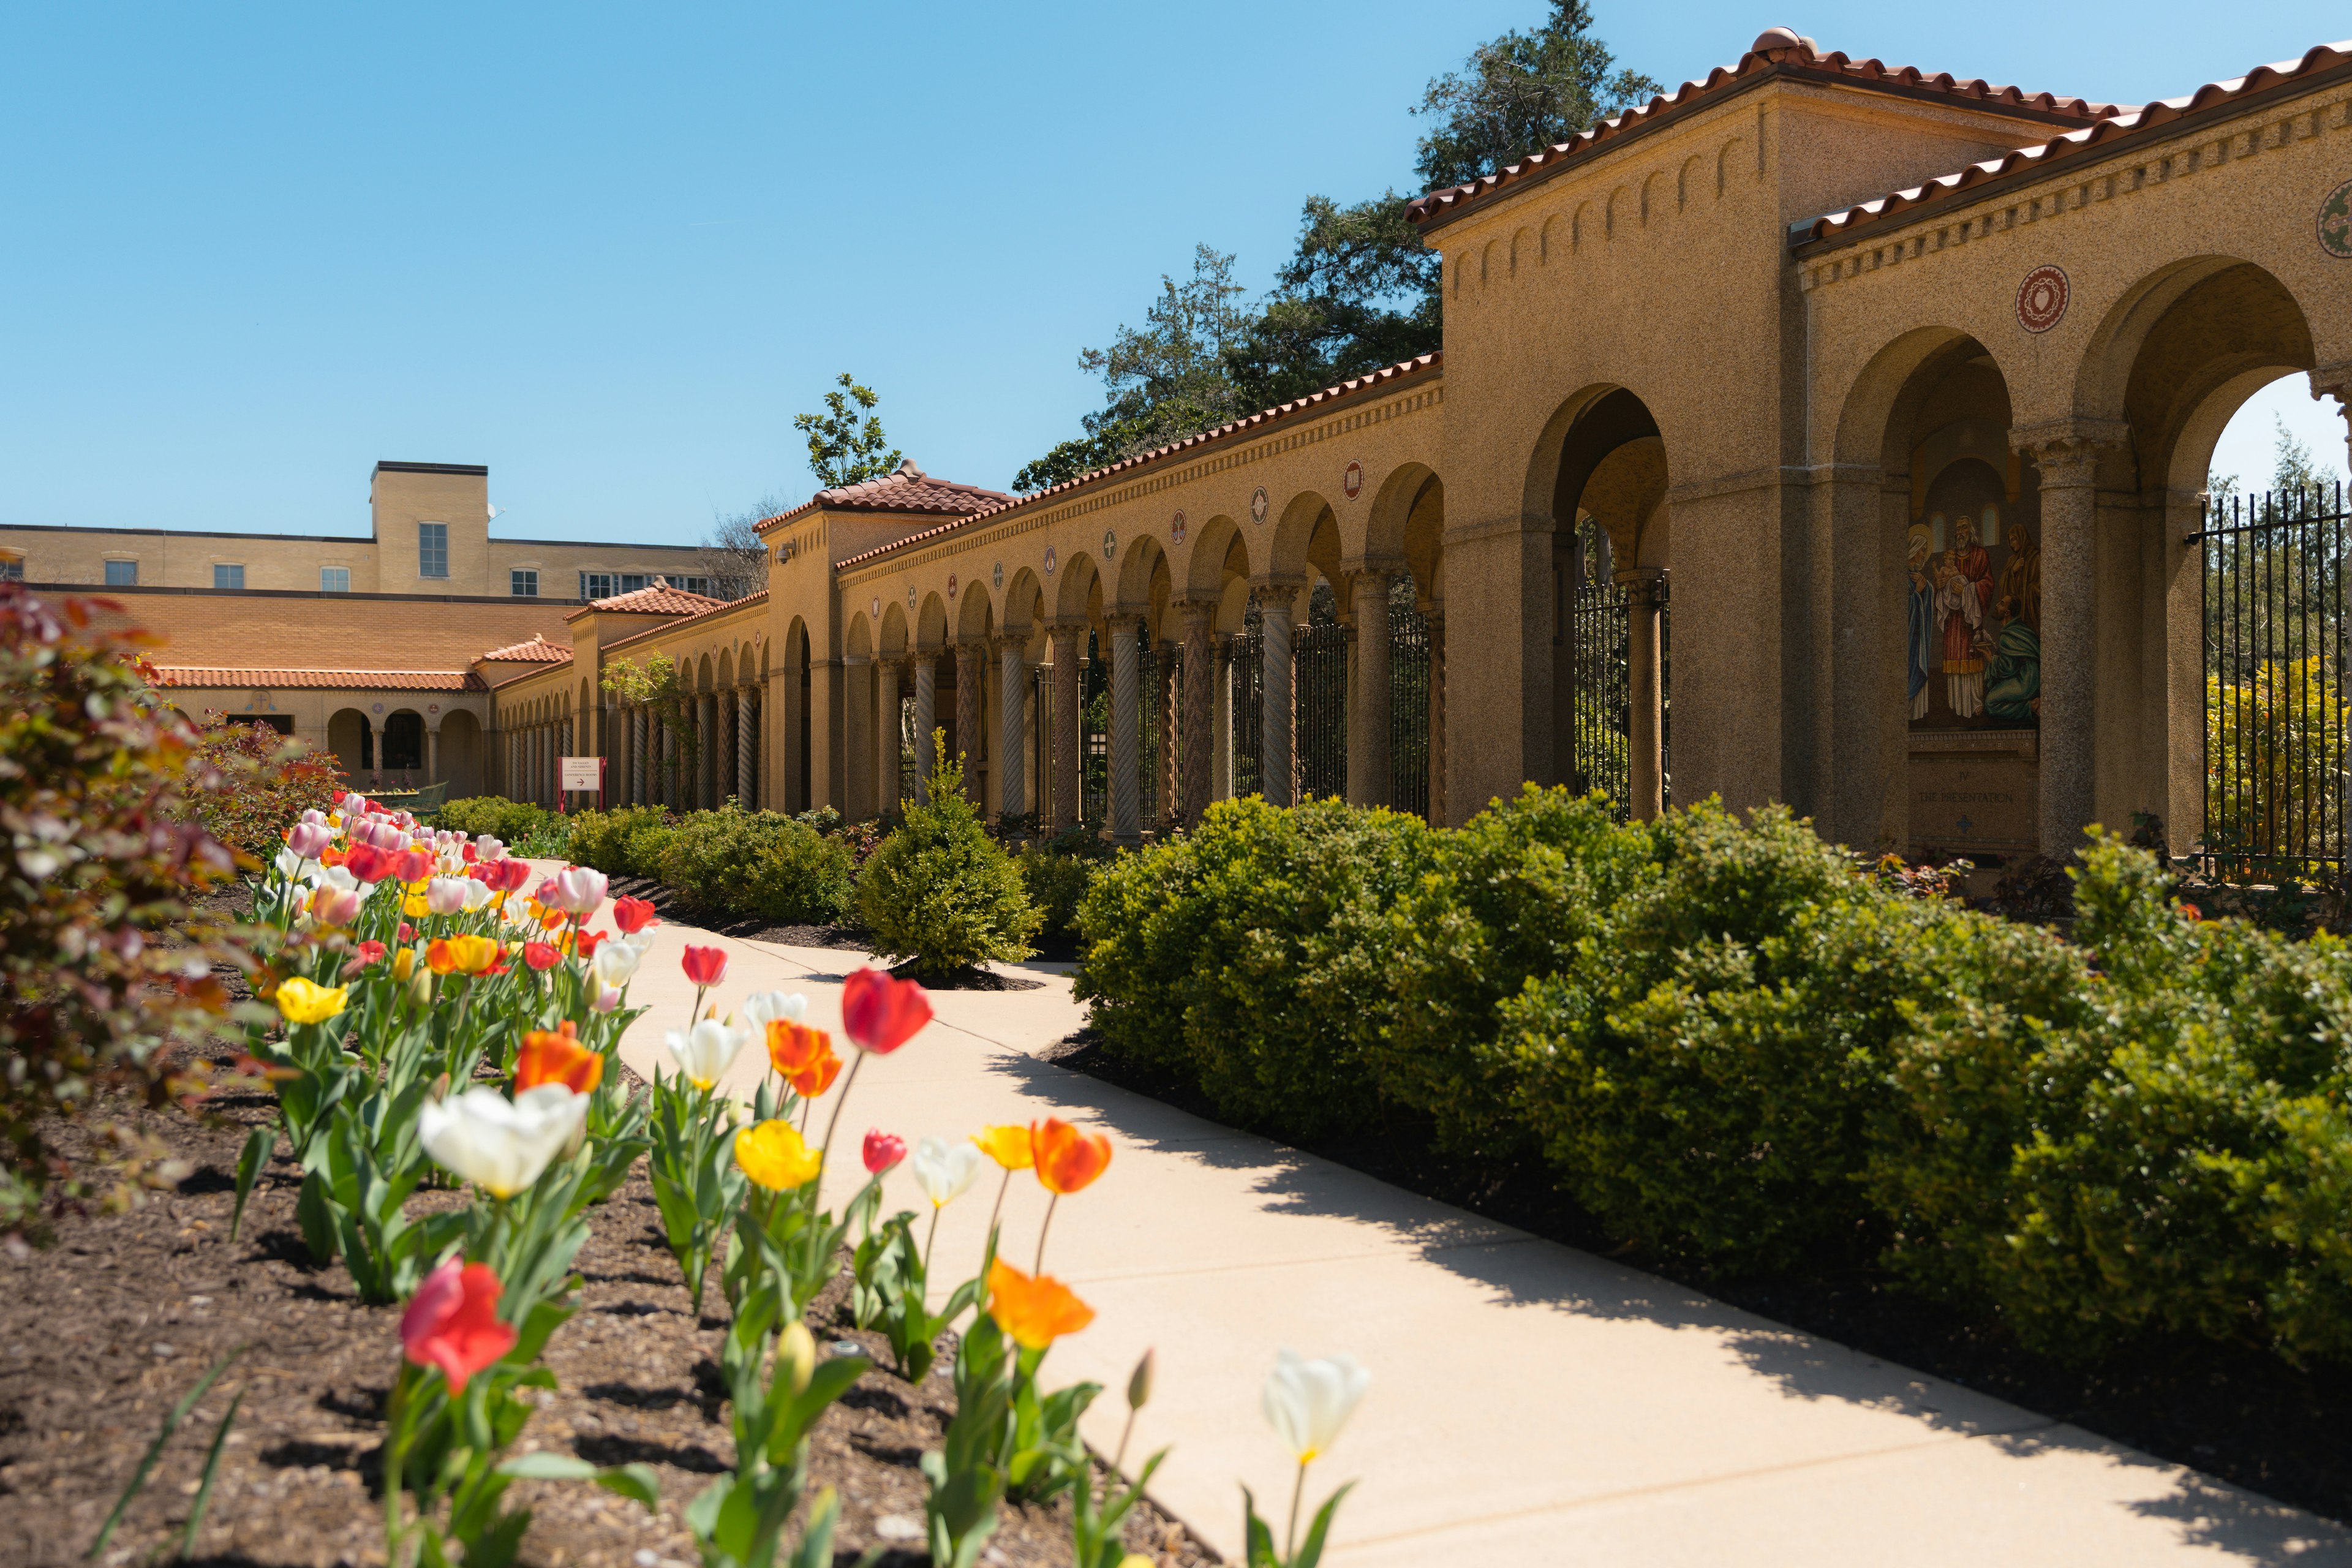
845, 442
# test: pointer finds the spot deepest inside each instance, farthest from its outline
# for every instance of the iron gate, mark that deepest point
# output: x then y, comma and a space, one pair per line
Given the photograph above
2275, 710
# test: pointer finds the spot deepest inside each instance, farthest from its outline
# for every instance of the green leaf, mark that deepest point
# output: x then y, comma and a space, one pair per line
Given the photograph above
259, 1145
638, 1483
548, 1466
172, 1419
1310, 1550
212, 1473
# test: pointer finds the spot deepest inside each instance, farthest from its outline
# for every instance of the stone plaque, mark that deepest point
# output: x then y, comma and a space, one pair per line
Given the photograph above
1975, 793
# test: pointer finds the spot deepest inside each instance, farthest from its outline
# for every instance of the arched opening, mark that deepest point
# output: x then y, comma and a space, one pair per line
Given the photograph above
461, 754
352, 741
401, 764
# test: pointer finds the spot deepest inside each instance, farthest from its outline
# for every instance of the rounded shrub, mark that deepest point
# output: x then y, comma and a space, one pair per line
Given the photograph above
939, 893
758, 863
1057, 874
624, 842
508, 821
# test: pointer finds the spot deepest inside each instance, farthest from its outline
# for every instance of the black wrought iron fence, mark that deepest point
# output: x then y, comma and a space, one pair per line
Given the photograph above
1320, 655
2275, 636
1602, 706
1408, 702
1247, 673
1094, 734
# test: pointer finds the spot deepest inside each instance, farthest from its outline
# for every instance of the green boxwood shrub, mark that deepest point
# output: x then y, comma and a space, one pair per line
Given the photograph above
627, 841
941, 893
1254, 954
1057, 874
508, 821
758, 863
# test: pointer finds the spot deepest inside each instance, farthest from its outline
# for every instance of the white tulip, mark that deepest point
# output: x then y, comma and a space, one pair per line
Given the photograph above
765, 1008
446, 895
1307, 1402
945, 1171
501, 1145
489, 849
289, 863
478, 896
615, 961
704, 1051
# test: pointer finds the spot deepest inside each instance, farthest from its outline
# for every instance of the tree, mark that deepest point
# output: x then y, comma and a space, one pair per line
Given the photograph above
1521, 92
733, 553
846, 447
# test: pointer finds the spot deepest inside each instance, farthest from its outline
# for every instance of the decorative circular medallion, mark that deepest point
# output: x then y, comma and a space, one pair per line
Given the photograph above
910, 597
1352, 481
1110, 544
878, 607
996, 575
1176, 530
1257, 505
429, 707
2041, 299
951, 584
377, 709
2336, 222
1052, 559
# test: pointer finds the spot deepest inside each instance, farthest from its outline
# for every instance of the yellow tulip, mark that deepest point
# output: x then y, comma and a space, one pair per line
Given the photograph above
1008, 1146
412, 906
773, 1154
404, 964
304, 1002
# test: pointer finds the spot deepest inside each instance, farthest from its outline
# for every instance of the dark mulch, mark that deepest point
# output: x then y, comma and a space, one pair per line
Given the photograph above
103, 1333
2235, 1412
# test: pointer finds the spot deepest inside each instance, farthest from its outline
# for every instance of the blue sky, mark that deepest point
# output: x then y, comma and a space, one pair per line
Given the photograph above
610, 250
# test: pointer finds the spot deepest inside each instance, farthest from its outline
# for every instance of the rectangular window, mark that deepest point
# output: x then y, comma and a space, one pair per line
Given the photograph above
334, 579
523, 582
610, 584
228, 576
706, 586
12, 568
122, 573
633, 581
433, 550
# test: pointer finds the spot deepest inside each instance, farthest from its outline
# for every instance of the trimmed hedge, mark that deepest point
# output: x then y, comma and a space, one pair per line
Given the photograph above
627, 841
507, 821
758, 863
1734, 1043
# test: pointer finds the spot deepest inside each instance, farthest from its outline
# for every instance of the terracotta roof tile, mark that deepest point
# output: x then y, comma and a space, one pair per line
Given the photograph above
2219, 96
312, 680
905, 488
661, 599
673, 628
1778, 50
538, 650
1384, 376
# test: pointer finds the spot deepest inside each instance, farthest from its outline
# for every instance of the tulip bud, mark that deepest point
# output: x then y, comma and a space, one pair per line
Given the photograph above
1139, 1381
420, 987
404, 964
440, 1089
797, 1357
606, 999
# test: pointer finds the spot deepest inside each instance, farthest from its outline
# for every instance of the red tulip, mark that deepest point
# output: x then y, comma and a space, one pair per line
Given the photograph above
589, 941
882, 1014
469, 852
540, 956
506, 876
632, 915
407, 932
368, 863
705, 965
883, 1151
411, 865
452, 1322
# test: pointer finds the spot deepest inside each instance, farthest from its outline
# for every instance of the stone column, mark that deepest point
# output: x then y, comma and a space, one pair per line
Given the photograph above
1012, 725
1068, 733
888, 739
1125, 727
1645, 760
706, 762
1437, 716
2336, 380
1278, 775
1221, 723
1163, 701
1368, 692
1200, 749
969, 680
563, 748
927, 718
637, 754
2067, 455
432, 755
746, 745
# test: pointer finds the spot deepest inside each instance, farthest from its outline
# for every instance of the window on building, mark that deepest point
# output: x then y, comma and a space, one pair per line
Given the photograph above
12, 568
707, 586
433, 550
225, 576
523, 582
607, 585
334, 579
122, 573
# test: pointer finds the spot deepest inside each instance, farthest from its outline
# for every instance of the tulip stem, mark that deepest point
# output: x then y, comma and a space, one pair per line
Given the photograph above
927, 1242
1118, 1459
826, 1154
1290, 1535
1050, 1203
997, 1213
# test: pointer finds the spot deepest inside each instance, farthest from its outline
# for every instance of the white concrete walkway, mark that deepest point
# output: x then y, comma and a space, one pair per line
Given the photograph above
1530, 1405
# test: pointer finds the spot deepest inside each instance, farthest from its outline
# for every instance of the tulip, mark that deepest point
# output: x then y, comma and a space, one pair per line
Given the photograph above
411, 866
1008, 1145
446, 895
489, 849
371, 952
632, 915
478, 896
505, 876
607, 999
1035, 1310
706, 966
404, 964
762, 1008
461, 954
302, 1001
882, 1014
368, 863
336, 906
704, 1051
796, 1048
288, 864
313, 813
797, 1357
541, 956
556, 1056
1068, 1160
307, 839
615, 961
578, 890
945, 1171
452, 1322
882, 1151
586, 942
1307, 1401
501, 1145
773, 1154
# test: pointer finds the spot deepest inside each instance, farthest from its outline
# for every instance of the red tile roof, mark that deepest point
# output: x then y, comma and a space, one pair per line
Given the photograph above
661, 599
2220, 97
1387, 376
905, 488
317, 680
1777, 51
538, 650
759, 597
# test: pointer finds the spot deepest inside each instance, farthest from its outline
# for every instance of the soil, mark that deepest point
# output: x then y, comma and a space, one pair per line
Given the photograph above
2236, 1412
103, 1333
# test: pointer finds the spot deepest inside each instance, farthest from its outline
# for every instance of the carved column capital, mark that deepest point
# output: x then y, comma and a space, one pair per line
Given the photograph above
2067, 452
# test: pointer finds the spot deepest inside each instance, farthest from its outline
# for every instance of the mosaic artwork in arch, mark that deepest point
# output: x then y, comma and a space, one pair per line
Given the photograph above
1973, 607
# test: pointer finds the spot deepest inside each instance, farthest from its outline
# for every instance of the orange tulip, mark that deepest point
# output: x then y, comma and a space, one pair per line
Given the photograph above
556, 1056
1007, 1145
1067, 1160
466, 954
1035, 1310
803, 1056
